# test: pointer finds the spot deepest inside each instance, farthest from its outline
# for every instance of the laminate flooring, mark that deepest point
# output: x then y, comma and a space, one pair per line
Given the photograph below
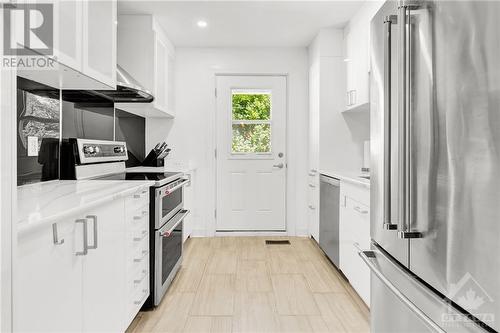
240, 284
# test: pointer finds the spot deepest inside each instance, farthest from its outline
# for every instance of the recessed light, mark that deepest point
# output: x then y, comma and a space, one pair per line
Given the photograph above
202, 24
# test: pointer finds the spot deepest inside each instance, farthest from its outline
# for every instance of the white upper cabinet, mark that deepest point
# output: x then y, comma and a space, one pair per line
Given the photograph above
357, 57
84, 45
99, 40
146, 53
68, 32
356, 44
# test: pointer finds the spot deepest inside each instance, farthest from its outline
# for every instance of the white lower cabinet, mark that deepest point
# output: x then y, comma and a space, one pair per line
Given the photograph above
92, 278
355, 235
48, 280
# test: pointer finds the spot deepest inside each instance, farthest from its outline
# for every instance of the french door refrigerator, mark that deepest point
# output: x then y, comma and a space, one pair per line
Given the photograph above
435, 161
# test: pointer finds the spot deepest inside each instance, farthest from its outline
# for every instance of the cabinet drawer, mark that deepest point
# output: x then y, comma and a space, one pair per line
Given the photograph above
137, 201
138, 216
137, 275
360, 193
138, 297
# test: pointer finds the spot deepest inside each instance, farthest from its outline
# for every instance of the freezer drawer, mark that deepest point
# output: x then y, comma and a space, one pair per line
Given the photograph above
401, 303
329, 217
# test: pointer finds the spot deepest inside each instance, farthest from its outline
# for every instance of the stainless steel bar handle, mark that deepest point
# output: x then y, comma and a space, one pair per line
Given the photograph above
387, 221
405, 128
85, 237
94, 221
182, 183
57, 241
365, 255
179, 217
402, 114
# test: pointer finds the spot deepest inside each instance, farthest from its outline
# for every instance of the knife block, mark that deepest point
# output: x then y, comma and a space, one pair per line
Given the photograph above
152, 160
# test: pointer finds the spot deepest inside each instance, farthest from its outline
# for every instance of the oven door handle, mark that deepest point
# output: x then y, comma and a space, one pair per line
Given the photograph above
184, 182
175, 222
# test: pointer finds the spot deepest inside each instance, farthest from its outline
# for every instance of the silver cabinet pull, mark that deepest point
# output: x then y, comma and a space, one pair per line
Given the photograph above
145, 273
145, 292
312, 207
144, 253
312, 185
57, 241
141, 237
94, 221
141, 195
387, 222
361, 211
140, 217
85, 237
279, 166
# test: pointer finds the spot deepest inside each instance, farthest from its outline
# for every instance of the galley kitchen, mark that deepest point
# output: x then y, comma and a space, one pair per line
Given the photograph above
250, 166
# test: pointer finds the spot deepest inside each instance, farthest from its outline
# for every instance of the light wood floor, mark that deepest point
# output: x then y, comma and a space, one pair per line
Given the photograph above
240, 284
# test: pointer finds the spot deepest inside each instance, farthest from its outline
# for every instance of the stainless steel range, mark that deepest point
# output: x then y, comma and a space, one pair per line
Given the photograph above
105, 160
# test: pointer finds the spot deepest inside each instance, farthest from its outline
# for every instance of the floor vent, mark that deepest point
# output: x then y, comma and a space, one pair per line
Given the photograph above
277, 242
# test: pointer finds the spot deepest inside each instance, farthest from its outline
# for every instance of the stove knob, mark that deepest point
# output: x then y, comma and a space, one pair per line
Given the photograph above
88, 149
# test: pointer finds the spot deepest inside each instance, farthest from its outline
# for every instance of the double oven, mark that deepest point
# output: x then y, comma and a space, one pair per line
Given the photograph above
105, 160
167, 215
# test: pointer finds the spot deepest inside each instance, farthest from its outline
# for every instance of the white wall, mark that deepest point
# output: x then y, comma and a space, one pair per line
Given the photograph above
191, 133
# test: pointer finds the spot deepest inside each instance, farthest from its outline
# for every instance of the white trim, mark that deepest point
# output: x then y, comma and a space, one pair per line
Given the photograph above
8, 193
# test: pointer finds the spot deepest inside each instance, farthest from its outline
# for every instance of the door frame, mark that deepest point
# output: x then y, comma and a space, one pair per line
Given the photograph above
212, 230
8, 193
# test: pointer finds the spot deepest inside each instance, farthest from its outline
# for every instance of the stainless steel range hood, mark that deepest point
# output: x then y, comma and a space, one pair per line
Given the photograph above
128, 90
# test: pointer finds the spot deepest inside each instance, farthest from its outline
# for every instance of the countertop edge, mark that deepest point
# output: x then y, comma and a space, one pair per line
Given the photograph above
23, 227
346, 177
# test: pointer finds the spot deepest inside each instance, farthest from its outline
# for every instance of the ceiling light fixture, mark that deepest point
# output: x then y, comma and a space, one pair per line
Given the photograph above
202, 24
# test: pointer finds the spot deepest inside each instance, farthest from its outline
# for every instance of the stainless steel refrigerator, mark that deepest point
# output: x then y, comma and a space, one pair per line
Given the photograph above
435, 163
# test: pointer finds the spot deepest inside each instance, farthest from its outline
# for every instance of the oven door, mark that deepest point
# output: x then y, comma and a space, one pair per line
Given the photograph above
169, 200
168, 254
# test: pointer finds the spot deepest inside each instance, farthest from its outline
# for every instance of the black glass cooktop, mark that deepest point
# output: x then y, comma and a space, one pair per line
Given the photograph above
140, 176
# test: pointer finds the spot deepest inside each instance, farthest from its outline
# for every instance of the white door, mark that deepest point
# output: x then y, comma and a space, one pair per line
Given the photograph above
251, 153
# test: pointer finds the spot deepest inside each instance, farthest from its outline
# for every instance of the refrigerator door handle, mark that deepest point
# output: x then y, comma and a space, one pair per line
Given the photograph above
388, 22
367, 257
405, 128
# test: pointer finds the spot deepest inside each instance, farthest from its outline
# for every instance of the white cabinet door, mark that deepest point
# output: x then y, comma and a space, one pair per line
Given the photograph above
170, 83
99, 40
356, 46
68, 33
104, 269
48, 280
355, 235
161, 80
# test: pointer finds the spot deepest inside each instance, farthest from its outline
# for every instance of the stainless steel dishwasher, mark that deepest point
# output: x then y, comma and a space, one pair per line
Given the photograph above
329, 196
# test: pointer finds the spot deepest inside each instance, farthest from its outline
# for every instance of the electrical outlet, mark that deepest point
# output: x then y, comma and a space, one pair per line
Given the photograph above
32, 146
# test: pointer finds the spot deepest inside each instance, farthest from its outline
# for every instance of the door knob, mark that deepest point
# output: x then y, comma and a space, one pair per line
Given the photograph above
279, 166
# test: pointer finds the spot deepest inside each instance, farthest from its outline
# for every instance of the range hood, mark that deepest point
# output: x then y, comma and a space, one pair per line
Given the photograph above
128, 90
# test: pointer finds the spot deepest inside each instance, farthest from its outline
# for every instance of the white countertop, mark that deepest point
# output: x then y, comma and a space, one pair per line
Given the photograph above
351, 177
44, 202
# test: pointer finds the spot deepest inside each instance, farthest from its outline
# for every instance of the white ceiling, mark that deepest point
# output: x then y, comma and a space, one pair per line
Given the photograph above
244, 23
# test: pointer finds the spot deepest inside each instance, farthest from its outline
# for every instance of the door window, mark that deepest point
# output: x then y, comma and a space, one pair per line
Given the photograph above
251, 122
